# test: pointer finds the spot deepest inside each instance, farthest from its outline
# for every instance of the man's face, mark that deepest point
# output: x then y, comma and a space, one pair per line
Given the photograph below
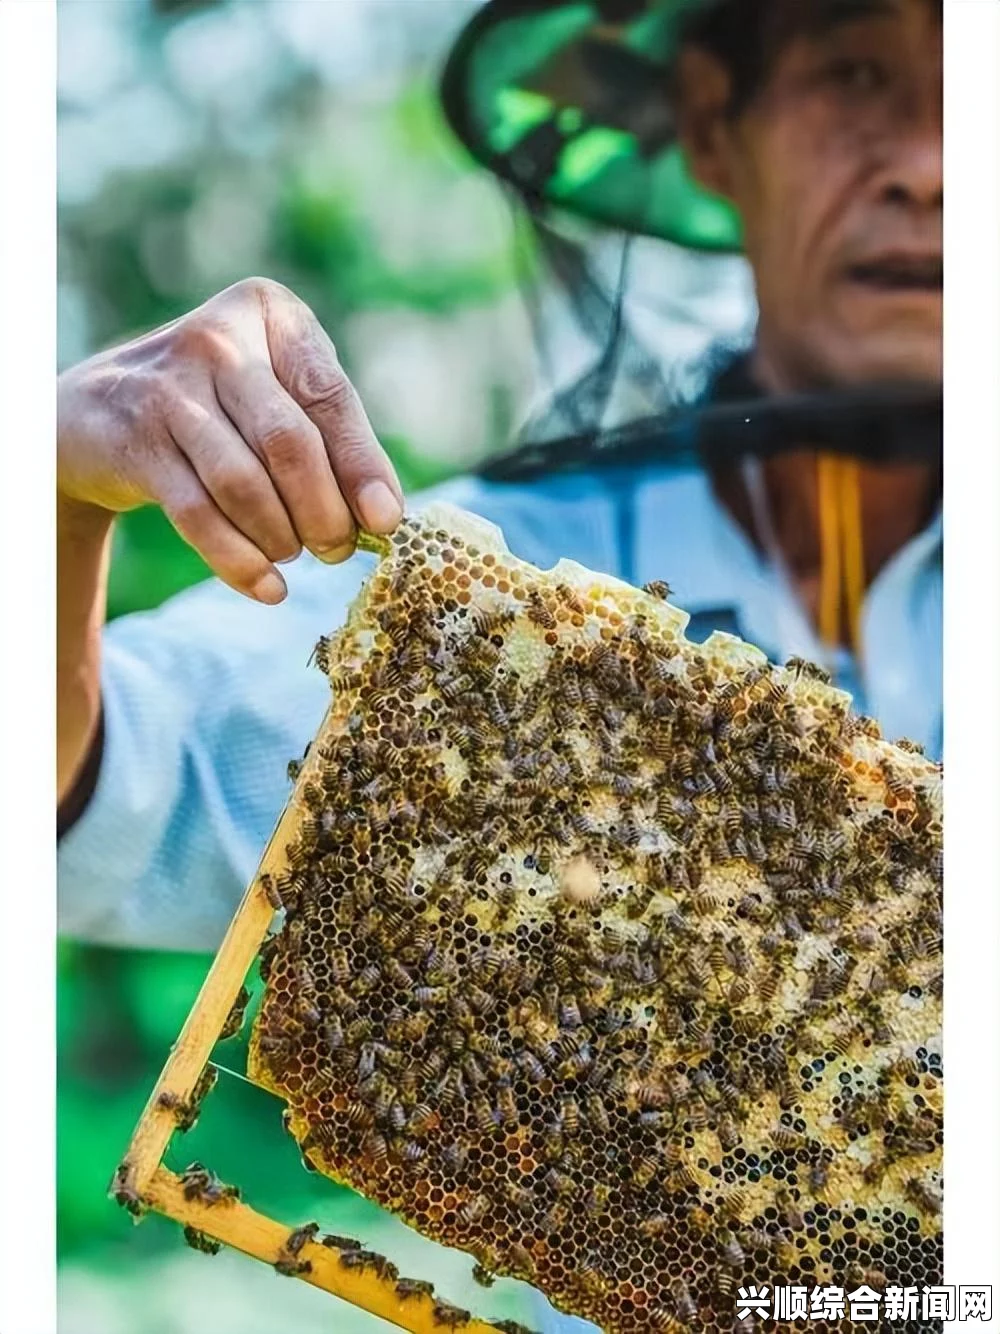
835, 166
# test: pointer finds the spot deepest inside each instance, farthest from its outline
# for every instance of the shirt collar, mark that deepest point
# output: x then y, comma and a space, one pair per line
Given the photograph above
685, 535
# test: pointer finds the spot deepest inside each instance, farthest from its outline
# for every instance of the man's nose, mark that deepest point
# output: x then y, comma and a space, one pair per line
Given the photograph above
913, 169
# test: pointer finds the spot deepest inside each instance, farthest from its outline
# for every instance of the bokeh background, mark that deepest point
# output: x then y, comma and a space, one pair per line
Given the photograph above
201, 141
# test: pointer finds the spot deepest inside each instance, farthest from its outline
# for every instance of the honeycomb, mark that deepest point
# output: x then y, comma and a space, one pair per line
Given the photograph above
611, 959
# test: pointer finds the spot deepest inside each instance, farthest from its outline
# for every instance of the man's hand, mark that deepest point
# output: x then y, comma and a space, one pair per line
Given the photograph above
240, 422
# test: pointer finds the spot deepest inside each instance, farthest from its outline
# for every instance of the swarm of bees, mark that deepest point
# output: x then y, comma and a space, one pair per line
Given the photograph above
611, 959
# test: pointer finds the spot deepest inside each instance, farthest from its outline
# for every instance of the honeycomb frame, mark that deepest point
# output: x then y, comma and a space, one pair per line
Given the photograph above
143, 1176
143, 1183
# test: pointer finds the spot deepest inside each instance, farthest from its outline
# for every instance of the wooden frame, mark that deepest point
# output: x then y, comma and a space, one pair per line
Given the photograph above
143, 1181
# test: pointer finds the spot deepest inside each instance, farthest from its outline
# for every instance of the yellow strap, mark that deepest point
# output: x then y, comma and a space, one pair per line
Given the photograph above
842, 560
829, 551
853, 550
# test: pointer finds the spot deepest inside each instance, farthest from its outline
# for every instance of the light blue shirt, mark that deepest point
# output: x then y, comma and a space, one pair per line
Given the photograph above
207, 698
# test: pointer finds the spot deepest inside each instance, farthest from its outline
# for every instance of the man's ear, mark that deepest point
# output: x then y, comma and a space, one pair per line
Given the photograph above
702, 93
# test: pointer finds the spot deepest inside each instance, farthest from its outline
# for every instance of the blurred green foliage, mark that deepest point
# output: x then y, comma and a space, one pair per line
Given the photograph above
129, 252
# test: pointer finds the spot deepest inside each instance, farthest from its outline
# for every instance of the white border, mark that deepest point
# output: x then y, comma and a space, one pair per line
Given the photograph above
27, 689
972, 645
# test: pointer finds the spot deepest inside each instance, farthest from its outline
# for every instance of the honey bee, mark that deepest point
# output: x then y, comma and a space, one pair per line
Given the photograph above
288, 1266
518, 1196
554, 1218
454, 1156
335, 1242
321, 654
866, 937
644, 1170
396, 1116
818, 1174
482, 1112
575, 1064
333, 1032
422, 1119
413, 1287
474, 1211
756, 1239
124, 1193
483, 1276
560, 1183
382, 1266
200, 1241
397, 975
473, 1071
655, 1225
783, 1137
198, 1183
271, 891
359, 1117
451, 1316
186, 1113
914, 747
785, 1202
569, 1111
298, 1238
822, 981
687, 1311
368, 978
657, 588
522, 1260
597, 1113
725, 1282
728, 1133
374, 1146
234, 1019
506, 1104
920, 1194
366, 1061
874, 1171
730, 1251
810, 670
656, 1120
894, 780
553, 1143
588, 1276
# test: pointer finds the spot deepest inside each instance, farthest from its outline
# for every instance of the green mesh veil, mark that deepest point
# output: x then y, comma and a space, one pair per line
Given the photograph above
569, 101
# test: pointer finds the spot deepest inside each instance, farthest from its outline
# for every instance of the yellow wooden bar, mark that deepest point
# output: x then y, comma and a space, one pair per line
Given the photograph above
239, 1226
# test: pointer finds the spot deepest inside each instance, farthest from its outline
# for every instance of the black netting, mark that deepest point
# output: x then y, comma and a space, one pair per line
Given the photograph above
683, 409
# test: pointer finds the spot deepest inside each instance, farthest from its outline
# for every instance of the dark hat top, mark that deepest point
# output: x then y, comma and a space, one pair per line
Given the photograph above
569, 101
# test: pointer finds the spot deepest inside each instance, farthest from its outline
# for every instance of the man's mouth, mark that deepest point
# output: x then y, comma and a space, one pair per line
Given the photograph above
899, 273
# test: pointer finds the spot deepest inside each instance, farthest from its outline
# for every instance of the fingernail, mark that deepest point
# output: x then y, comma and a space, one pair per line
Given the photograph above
270, 588
334, 555
380, 510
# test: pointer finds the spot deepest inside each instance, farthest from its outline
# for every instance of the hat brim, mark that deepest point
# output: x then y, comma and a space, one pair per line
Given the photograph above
573, 110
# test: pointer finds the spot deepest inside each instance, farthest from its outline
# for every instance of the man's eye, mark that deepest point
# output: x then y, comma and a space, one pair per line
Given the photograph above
856, 76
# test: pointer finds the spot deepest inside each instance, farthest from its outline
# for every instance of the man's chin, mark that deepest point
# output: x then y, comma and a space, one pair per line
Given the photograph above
899, 356
895, 338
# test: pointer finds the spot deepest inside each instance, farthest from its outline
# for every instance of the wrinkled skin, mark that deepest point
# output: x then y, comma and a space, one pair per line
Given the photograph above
239, 421
835, 165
